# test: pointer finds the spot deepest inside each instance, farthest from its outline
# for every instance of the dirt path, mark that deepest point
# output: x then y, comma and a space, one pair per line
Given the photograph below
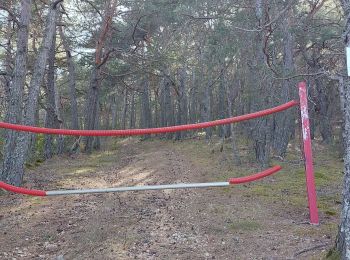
174, 224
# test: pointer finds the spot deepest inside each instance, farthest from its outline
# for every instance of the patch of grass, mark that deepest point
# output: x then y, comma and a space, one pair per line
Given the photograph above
83, 170
245, 225
37, 200
331, 212
333, 254
260, 190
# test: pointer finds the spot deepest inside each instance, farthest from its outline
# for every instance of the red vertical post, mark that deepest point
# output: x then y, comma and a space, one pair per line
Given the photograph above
309, 168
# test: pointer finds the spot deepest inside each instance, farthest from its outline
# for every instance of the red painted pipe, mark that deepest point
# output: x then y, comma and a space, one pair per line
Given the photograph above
20, 190
161, 130
256, 176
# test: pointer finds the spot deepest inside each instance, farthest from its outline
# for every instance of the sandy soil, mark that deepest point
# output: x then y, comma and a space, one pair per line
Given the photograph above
177, 224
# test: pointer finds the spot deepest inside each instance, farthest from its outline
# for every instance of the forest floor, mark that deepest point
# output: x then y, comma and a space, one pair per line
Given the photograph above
267, 219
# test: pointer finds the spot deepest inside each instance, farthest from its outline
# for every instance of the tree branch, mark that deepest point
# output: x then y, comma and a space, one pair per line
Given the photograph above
55, 3
13, 16
105, 58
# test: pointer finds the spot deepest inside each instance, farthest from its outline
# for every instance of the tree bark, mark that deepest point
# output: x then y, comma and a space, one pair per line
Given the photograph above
343, 238
91, 107
182, 113
100, 59
7, 63
72, 80
146, 115
114, 108
222, 100
230, 128
51, 120
125, 108
283, 122
324, 112
193, 102
132, 111
13, 167
166, 108
16, 89
260, 128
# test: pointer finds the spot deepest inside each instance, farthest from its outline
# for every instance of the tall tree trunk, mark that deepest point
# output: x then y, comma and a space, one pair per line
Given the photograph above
97, 139
343, 238
181, 116
58, 106
100, 59
146, 115
7, 64
283, 122
13, 167
91, 107
323, 103
114, 108
205, 97
14, 108
261, 127
132, 111
125, 108
166, 109
193, 102
230, 128
51, 120
72, 80
222, 101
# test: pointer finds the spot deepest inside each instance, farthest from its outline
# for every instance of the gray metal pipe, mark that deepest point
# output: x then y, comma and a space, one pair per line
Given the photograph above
139, 188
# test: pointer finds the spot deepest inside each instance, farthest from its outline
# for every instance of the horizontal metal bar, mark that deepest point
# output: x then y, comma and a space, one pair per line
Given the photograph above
139, 188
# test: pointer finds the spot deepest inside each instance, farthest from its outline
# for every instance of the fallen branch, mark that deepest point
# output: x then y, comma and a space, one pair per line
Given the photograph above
310, 249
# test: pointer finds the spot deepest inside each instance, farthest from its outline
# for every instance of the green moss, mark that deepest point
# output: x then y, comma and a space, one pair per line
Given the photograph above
333, 254
331, 212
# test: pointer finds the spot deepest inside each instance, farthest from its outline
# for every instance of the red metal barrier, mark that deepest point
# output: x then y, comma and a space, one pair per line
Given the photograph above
310, 181
161, 130
250, 178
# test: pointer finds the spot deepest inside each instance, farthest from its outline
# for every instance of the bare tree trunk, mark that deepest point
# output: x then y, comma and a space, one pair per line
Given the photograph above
343, 238
51, 120
91, 107
222, 100
181, 117
97, 139
146, 115
324, 112
193, 102
166, 109
72, 81
14, 109
283, 122
13, 168
114, 108
230, 128
94, 88
261, 127
125, 108
132, 111
7, 64
58, 107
